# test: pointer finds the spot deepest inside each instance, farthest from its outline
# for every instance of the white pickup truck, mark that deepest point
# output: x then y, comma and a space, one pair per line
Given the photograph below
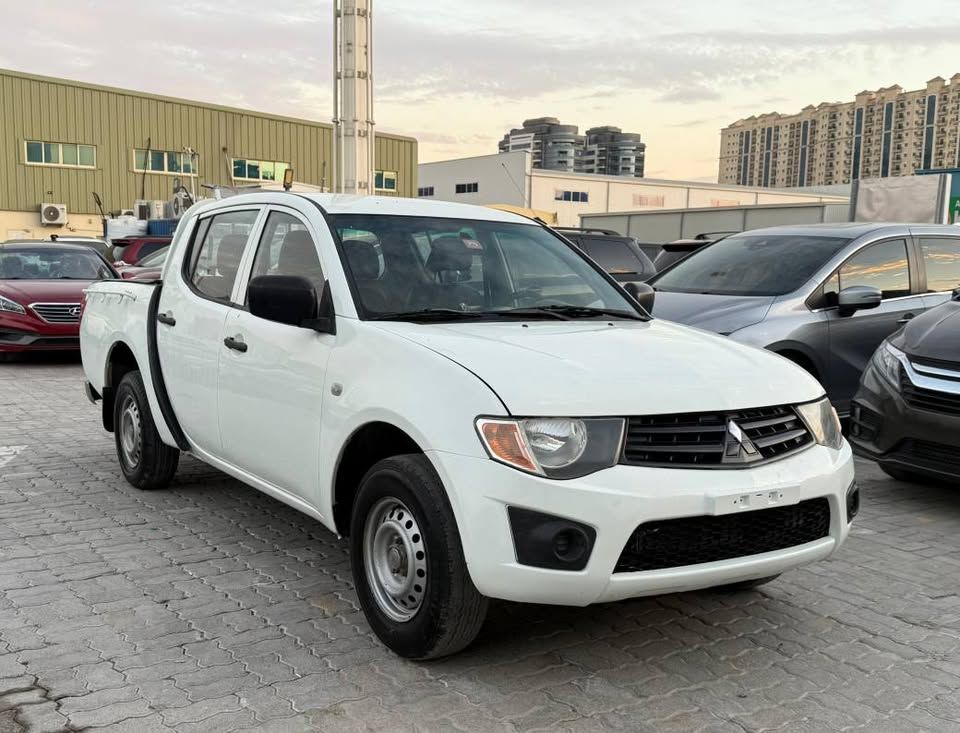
480, 408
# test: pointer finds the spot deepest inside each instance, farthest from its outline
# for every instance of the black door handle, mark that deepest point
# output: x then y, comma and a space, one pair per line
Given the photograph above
907, 317
167, 319
236, 344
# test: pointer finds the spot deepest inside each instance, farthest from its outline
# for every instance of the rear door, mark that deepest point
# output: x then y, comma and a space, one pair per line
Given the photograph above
194, 304
891, 267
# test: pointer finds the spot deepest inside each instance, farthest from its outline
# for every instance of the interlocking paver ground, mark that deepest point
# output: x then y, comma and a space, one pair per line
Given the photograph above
212, 607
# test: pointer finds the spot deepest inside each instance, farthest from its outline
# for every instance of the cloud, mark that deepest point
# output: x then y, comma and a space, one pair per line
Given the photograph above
694, 123
690, 95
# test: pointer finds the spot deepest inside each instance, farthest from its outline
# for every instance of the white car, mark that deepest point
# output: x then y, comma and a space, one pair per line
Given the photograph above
475, 403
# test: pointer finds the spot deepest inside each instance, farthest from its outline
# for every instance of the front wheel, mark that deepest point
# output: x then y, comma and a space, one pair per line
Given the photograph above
408, 564
146, 461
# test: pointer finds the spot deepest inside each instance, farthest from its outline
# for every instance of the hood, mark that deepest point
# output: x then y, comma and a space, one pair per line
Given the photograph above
628, 368
934, 334
719, 313
26, 292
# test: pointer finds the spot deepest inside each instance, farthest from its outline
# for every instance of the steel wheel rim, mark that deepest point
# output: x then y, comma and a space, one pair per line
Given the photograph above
131, 434
395, 559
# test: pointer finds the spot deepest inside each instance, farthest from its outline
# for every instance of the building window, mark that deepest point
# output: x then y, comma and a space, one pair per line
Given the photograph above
767, 155
857, 144
745, 141
928, 132
642, 199
467, 188
162, 161
887, 139
804, 139
425, 191
69, 155
580, 197
385, 180
245, 169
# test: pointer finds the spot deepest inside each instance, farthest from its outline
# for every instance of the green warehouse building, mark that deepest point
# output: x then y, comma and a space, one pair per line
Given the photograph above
62, 141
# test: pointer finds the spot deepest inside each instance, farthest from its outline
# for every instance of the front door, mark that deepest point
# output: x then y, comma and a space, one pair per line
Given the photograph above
272, 375
853, 339
194, 305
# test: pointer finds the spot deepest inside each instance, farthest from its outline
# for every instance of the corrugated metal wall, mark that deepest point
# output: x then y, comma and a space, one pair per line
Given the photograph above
116, 122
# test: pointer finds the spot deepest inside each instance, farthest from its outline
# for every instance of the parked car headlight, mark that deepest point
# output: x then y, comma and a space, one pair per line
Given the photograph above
11, 305
822, 421
556, 447
887, 360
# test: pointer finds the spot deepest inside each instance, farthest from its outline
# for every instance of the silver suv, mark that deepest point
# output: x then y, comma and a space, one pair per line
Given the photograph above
822, 295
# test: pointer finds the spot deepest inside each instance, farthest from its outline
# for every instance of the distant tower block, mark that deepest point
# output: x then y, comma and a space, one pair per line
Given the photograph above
353, 158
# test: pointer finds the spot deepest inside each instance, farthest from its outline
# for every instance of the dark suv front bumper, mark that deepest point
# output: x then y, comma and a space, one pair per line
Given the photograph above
888, 430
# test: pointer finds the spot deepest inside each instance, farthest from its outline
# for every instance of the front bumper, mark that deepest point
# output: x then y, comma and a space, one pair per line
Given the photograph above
886, 429
27, 333
614, 502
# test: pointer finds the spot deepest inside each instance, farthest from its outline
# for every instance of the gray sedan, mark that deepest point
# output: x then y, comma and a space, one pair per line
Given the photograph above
824, 295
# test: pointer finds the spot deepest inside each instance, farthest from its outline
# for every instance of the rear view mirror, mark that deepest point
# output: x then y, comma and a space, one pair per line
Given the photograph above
643, 293
858, 297
292, 300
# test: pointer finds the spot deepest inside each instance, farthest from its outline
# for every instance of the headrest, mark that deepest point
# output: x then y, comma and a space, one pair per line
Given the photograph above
363, 258
297, 253
230, 250
449, 254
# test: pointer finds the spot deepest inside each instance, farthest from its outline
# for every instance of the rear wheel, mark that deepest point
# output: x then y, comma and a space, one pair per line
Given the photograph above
408, 564
146, 461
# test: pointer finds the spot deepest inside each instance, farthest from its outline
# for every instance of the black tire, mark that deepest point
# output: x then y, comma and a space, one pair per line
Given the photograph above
745, 584
450, 610
155, 463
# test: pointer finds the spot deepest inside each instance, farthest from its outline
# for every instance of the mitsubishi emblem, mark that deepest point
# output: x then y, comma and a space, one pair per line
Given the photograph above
737, 447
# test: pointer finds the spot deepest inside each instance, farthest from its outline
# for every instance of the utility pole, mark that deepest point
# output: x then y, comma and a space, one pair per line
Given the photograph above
353, 149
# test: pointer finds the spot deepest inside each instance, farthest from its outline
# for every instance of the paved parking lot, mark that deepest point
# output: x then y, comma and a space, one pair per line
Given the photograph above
211, 607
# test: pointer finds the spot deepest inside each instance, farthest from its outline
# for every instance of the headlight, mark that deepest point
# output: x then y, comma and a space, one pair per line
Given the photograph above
12, 306
556, 447
887, 360
822, 421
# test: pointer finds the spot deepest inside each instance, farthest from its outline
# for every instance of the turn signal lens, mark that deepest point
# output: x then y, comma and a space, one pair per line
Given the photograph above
506, 443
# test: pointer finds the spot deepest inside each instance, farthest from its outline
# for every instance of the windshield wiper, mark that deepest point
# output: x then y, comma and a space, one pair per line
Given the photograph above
432, 314
577, 311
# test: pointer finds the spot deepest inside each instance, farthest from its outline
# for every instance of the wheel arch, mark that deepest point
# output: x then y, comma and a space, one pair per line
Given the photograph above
368, 444
802, 356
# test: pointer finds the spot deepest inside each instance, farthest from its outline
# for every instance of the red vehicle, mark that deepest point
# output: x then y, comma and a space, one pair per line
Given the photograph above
41, 289
149, 268
130, 251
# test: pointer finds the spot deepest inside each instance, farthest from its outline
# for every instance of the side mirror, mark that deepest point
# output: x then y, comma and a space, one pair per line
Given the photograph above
292, 300
856, 298
643, 293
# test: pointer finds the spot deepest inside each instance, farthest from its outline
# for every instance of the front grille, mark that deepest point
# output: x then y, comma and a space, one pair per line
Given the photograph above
703, 440
58, 312
928, 399
925, 453
676, 543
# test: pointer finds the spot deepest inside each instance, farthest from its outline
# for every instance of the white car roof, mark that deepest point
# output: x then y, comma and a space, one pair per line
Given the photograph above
382, 205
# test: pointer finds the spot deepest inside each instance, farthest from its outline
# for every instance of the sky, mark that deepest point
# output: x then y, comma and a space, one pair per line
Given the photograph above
458, 74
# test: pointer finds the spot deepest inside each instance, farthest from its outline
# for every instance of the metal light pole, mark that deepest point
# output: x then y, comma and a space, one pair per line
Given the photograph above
353, 136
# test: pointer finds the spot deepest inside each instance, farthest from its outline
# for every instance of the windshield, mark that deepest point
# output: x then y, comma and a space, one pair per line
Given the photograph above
762, 264
453, 268
154, 260
49, 262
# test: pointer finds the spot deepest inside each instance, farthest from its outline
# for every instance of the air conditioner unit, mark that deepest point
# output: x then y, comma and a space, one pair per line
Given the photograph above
53, 214
127, 212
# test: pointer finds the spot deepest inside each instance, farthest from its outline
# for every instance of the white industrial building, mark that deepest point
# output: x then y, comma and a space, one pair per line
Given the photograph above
510, 179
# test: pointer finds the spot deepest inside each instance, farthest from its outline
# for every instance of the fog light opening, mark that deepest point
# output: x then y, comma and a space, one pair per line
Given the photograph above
853, 502
570, 544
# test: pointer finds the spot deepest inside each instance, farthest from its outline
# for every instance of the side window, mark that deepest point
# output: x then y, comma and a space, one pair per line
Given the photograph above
614, 256
941, 257
883, 266
217, 251
286, 248
148, 249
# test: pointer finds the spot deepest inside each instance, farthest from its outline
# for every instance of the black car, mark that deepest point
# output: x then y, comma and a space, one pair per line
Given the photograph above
620, 256
906, 414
